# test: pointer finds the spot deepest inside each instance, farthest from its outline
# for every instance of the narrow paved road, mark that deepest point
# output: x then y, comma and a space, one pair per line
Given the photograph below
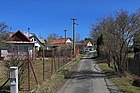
88, 78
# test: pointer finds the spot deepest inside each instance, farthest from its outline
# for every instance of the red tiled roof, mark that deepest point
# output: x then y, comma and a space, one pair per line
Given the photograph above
59, 41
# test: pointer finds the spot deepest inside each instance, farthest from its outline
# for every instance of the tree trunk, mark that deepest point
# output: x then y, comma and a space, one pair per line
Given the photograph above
98, 53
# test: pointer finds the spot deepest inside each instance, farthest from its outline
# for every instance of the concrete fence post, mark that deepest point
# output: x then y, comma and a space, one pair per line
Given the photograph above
13, 79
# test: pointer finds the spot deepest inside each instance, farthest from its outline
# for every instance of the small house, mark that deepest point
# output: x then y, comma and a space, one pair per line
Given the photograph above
19, 45
61, 42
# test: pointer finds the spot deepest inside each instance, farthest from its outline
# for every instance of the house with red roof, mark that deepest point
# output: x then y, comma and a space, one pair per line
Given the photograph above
61, 41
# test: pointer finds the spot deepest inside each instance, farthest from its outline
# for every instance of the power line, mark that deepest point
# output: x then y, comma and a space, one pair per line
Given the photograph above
83, 5
77, 11
79, 8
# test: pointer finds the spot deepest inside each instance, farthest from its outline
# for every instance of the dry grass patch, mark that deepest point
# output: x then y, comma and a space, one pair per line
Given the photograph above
57, 79
124, 83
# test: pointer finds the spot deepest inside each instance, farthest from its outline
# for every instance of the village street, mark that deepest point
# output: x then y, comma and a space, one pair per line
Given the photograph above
88, 78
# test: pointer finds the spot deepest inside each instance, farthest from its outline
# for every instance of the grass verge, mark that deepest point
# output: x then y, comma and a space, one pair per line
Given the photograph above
58, 78
124, 83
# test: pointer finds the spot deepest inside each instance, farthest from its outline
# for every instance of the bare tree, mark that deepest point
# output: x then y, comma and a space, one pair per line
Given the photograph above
12, 59
3, 31
118, 33
77, 36
136, 17
52, 37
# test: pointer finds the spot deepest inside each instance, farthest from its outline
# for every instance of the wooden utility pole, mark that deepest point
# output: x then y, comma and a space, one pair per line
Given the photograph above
65, 45
73, 27
43, 63
65, 35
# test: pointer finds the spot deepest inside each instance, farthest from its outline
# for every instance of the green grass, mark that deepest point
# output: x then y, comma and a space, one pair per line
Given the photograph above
104, 67
124, 83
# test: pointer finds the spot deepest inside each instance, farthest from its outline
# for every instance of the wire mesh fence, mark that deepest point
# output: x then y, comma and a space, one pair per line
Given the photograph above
33, 72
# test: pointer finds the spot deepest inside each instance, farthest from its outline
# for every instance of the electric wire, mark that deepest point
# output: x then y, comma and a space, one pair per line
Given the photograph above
78, 10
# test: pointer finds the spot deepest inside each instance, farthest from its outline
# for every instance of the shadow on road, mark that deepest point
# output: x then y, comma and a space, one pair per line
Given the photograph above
85, 74
89, 57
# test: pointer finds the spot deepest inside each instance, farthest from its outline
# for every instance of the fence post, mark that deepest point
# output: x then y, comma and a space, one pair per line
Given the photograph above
13, 79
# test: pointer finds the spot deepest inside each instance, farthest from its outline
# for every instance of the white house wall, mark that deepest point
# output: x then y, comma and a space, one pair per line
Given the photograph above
37, 43
37, 46
68, 41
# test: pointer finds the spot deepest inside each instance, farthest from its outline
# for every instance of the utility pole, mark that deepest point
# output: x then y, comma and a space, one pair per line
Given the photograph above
73, 27
65, 46
61, 40
65, 36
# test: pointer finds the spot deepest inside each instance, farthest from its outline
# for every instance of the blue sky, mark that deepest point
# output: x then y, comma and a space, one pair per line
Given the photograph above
44, 17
